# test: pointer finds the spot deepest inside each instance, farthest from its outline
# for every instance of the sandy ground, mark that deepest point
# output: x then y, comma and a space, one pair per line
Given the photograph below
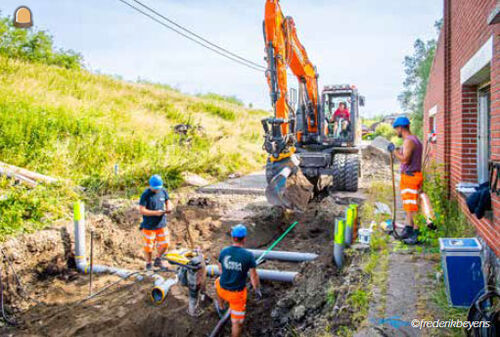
45, 264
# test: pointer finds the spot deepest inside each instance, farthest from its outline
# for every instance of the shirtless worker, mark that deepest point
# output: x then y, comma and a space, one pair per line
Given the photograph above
235, 262
411, 181
153, 206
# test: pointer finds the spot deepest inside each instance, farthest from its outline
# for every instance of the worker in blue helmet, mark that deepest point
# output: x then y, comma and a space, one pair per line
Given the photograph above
410, 156
153, 206
235, 262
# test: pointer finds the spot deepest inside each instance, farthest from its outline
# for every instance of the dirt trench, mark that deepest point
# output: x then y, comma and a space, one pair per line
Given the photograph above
45, 264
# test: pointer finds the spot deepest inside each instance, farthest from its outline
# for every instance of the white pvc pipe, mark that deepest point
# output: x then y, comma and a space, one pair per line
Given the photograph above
80, 253
161, 287
284, 256
264, 274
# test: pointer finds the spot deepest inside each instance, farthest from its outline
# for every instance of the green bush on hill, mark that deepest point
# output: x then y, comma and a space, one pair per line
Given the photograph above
222, 98
58, 119
34, 46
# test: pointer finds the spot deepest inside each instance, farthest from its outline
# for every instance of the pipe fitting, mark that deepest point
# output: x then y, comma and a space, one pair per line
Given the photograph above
160, 290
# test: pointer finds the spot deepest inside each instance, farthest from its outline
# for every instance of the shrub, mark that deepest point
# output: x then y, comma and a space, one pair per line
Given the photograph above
34, 46
216, 110
221, 98
450, 220
385, 130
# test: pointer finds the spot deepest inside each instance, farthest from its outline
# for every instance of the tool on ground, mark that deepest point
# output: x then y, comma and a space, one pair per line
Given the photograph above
260, 260
339, 243
91, 261
191, 273
394, 207
304, 157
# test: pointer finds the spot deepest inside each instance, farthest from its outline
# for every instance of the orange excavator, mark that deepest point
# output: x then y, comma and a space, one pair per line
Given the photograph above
304, 156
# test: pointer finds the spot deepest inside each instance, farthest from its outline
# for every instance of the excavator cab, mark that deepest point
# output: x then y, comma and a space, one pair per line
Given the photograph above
341, 108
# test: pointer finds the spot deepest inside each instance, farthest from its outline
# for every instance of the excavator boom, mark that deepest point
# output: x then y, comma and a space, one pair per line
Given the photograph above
284, 51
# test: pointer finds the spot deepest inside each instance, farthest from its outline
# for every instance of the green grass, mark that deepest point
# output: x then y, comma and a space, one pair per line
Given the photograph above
75, 125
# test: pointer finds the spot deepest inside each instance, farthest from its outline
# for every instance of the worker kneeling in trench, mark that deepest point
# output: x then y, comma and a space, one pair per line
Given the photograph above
235, 262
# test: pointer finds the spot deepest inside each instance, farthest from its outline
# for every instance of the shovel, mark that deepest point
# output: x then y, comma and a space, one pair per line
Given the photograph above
394, 230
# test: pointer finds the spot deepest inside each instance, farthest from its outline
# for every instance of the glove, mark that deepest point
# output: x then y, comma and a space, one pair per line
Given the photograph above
391, 147
258, 293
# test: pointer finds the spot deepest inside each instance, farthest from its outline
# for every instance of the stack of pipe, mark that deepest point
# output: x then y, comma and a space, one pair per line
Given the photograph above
25, 176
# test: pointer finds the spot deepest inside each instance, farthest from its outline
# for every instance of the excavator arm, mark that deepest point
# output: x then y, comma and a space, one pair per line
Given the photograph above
283, 51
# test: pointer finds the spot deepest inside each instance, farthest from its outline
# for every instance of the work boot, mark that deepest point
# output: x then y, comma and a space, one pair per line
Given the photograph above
159, 263
407, 231
149, 266
413, 238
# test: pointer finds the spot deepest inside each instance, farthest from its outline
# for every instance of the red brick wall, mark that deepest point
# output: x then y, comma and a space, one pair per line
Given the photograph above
465, 31
435, 97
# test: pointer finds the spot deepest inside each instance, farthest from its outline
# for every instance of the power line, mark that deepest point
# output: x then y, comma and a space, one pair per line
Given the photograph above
251, 66
200, 37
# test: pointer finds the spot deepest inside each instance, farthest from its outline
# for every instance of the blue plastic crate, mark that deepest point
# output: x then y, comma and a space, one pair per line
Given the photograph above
463, 270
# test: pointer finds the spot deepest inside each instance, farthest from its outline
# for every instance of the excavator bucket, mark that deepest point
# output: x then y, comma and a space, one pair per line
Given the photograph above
288, 188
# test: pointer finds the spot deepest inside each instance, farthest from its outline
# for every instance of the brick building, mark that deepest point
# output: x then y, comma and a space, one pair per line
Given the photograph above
462, 105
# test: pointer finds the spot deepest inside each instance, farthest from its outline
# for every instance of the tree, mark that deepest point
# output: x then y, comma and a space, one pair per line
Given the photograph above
417, 69
34, 46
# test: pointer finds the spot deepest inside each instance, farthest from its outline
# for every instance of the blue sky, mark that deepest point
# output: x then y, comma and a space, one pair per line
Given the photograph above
362, 42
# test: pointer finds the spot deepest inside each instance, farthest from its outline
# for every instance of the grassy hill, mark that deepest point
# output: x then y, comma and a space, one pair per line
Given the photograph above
75, 125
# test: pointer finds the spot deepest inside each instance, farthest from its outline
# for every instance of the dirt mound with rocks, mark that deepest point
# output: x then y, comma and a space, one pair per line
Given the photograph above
375, 163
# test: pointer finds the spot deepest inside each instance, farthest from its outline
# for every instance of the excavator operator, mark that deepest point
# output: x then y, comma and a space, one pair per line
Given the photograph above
341, 121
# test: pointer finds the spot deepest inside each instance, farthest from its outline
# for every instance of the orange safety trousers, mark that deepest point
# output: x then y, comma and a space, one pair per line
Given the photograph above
155, 236
237, 301
410, 188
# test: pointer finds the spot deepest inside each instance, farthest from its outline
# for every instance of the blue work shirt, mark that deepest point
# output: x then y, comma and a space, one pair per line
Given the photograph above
236, 262
154, 202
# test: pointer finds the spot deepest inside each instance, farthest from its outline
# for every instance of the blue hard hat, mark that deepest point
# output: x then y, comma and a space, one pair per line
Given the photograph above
401, 121
239, 231
156, 182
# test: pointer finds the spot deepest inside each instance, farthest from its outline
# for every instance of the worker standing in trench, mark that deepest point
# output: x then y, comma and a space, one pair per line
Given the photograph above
412, 179
234, 263
153, 206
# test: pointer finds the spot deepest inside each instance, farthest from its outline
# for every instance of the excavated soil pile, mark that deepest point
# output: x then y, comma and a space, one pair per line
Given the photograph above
375, 164
45, 264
